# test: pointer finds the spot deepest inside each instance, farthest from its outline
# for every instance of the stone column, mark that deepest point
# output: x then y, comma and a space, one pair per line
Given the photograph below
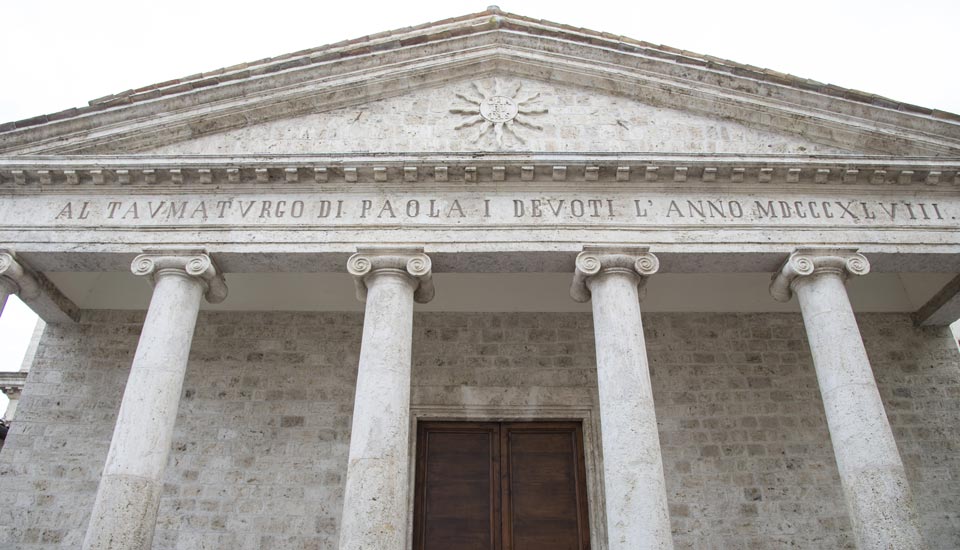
13, 397
5, 292
635, 489
14, 279
874, 482
125, 511
377, 488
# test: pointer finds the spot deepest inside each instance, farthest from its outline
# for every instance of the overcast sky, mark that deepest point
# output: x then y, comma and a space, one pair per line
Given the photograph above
60, 54
56, 55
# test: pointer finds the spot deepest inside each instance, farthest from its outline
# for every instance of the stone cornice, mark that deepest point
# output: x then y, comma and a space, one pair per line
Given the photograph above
810, 261
607, 258
409, 260
66, 173
392, 63
445, 30
195, 263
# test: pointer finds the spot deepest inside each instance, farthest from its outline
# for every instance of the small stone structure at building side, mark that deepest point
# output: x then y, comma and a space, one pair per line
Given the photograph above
731, 285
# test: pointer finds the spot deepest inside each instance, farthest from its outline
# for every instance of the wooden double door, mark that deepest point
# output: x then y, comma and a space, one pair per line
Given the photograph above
500, 486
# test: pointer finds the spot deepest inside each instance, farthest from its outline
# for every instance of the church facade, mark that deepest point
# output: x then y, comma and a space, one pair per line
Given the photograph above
489, 282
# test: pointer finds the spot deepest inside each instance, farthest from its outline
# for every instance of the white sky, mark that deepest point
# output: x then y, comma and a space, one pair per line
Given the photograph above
59, 54
16, 327
56, 55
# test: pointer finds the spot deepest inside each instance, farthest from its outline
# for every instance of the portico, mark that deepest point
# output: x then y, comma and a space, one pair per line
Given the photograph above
619, 361
469, 230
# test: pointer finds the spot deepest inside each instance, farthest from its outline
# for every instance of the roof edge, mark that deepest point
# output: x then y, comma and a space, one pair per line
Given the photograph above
485, 20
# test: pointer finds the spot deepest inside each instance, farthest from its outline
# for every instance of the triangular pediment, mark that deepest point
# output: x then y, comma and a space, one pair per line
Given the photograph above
404, 91
500, 114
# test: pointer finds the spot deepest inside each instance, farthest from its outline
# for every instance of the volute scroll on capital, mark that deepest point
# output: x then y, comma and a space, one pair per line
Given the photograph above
593, 261
16, 278
804, 262
194, 263
412, 262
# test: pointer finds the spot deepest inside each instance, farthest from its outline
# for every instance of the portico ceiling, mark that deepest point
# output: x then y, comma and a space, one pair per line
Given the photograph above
517, 292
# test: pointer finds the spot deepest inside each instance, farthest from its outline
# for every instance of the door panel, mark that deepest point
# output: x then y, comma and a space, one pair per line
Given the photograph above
500, 486
543, 508
457, 501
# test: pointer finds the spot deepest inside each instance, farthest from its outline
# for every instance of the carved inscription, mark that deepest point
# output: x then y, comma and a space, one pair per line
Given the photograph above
507, 210
498, 108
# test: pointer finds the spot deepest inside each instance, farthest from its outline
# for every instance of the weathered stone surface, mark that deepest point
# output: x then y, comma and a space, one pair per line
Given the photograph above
125, 509
634, 487
377, 488
875, 485
262, 433
500, 145
558, 118
476, 46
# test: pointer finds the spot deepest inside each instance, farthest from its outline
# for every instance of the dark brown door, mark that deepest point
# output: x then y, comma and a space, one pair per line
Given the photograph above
500, 486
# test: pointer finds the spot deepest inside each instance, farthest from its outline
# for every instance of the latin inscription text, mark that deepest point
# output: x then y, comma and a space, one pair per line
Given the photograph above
502, 209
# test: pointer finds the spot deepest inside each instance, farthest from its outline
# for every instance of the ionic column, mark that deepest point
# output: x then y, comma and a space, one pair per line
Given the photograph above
125, 511
14, 279
874, 482
377, 488
635, 489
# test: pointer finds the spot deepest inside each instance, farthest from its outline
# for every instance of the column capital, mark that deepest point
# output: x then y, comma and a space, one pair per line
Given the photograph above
192, 262
410, 261
594, 260
12, 392
16, 278
814, 261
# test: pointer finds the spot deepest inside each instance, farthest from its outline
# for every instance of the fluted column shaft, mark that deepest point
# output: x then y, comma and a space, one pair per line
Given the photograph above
125, 510
634, 485
872, 475
377, 487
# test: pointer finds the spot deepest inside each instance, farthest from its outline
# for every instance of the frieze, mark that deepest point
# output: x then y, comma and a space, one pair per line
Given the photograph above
472, 209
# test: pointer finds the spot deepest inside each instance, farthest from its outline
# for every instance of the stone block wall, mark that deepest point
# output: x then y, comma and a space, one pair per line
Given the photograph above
263, 428
745, 442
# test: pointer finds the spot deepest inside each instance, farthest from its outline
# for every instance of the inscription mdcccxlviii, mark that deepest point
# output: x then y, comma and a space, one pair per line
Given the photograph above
500, 209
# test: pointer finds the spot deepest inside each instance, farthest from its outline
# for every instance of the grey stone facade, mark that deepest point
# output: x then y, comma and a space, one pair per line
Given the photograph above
262, 432
492, 160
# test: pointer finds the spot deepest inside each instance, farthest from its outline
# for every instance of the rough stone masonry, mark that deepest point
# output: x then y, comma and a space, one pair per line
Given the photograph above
262, 433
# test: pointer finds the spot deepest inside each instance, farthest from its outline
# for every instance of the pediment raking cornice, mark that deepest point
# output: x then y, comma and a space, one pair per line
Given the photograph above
476, 46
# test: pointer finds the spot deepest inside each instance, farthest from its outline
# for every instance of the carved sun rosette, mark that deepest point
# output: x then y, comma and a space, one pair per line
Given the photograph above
499, 113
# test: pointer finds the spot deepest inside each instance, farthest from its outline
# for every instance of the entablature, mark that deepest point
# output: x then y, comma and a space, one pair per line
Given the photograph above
278, 172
